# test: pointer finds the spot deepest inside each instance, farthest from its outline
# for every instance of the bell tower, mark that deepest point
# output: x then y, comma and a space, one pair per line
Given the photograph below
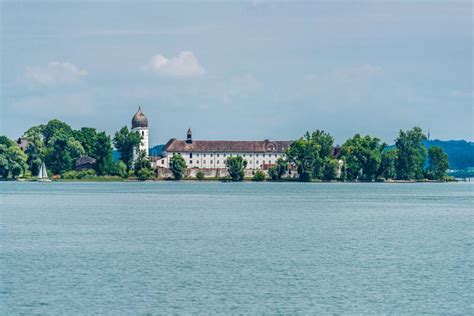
140, 125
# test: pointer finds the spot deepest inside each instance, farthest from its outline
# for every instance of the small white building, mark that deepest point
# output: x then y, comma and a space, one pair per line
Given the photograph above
208, 154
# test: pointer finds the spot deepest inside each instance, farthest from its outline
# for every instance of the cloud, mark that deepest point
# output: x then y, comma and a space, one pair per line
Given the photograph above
183, 65
55, 73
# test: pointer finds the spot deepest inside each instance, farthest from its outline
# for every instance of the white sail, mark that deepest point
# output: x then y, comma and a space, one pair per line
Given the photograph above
43, 174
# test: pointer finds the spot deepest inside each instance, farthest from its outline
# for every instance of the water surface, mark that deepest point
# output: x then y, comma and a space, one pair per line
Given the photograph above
190, 247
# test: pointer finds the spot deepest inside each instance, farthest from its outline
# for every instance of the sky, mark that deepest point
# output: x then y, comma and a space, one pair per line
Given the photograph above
239, 70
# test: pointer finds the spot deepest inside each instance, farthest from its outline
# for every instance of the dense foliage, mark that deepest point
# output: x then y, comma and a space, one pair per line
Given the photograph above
259, 176
126, 141
236, 167
437, 163
310, 153
177, 166
277, 171
12, 159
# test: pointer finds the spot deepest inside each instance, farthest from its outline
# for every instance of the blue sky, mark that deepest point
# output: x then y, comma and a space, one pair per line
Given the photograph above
243, 70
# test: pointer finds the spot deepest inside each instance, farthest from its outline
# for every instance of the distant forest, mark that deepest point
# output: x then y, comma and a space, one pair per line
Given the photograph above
460, 152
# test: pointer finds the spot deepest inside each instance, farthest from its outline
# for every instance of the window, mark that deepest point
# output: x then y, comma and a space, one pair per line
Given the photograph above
224, 155
211, 155
217, 155
162, 162
256, 155
190, 162
250, 155
218, 161
204, 162
211, 162
197, 155
204, 155
263, 155
190, 155
276, 155
143, 133
257, 162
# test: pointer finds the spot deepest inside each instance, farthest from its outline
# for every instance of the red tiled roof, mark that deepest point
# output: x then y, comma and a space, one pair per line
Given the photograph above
238, 146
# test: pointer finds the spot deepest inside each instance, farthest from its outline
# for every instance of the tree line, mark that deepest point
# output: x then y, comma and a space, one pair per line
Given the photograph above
58, 146
360, 158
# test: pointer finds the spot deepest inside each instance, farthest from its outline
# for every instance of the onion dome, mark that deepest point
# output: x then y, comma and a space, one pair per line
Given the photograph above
139, 119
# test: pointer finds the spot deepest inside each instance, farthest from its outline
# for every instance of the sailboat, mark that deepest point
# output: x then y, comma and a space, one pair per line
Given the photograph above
43, 175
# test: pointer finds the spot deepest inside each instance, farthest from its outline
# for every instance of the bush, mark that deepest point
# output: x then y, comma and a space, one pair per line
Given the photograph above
71, 174
258, 176
119, 169
144, 174
86, 174
200, 175
236, 167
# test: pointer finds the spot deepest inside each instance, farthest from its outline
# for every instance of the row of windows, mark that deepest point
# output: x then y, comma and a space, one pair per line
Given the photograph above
217, 162
231, 155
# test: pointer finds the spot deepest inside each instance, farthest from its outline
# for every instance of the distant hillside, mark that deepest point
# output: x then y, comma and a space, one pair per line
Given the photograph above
460, 152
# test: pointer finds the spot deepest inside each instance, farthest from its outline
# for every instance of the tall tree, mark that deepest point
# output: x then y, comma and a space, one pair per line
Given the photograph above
437, 163
388, 168
62, 152
411, 154
52, 128
12, 159
102, 152
35, 152
277, 171
309, 154
87, 136
362, 156
236, 167
177, 166
126, 142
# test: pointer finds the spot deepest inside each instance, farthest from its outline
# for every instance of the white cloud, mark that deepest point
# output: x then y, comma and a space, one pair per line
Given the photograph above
183, 65
55, 73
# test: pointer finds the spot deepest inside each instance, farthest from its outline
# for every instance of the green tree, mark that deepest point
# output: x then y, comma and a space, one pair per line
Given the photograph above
437, 163
388, 165
62, 152
330, 169
126, 142
102, 152
236, 167
119, 169
309, 154
53, 127
259, 176
177, 166
362, 157
144, 174
411, 154
142, 167
35, 133
12, 159
87, 136
277, 171
35, 154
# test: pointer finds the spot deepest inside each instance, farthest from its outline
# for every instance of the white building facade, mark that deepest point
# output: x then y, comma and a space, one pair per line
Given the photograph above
213, 154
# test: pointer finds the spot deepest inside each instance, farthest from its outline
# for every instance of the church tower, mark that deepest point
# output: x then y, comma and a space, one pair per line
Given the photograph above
140, 125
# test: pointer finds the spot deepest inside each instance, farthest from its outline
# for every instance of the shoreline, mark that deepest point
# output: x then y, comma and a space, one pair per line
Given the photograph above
99, 179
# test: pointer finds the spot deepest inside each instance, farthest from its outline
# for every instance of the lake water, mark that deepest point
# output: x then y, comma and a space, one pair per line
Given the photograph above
220, 248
